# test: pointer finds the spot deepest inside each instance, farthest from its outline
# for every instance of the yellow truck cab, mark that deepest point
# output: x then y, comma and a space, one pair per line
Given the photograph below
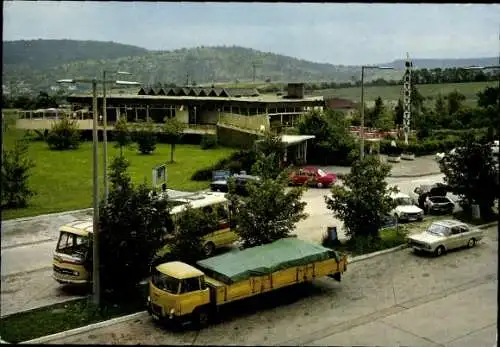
180, 292
70, 262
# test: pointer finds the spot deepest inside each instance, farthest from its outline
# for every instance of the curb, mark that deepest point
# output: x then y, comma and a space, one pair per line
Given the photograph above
487, 225
415, 175
375, 254
22, 244
45, 339
48, 215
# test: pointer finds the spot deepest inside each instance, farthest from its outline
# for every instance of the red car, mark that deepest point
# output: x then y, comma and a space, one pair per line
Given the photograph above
312, 176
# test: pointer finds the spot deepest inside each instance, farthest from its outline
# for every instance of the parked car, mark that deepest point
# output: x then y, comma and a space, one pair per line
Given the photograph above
420, 193
312, 176
406, 210
241, 180
438, 204
219, 181
444, 235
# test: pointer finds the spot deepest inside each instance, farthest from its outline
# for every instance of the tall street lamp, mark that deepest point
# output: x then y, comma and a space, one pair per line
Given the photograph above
95, 199
105, 121
362, 132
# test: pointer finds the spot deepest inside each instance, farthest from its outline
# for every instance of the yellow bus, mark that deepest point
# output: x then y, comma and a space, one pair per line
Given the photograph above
71, 262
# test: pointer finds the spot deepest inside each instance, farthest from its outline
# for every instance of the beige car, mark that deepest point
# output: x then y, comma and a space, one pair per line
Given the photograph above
444, 235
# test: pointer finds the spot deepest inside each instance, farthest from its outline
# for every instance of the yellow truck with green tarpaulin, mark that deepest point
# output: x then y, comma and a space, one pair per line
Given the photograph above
180, 292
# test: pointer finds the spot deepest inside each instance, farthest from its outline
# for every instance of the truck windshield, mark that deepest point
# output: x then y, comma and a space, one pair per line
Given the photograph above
165, 282
72, 244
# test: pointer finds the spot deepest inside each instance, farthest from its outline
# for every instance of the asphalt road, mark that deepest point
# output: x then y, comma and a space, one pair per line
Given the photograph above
396, 299
18, 258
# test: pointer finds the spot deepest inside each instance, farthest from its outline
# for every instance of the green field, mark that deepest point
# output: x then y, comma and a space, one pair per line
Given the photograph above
63, 179
470, 91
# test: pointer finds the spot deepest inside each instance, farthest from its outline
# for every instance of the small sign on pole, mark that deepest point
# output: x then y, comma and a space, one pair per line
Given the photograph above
159, 175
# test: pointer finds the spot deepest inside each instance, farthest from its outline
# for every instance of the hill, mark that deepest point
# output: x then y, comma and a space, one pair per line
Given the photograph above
31, 66
444, 63
41, 54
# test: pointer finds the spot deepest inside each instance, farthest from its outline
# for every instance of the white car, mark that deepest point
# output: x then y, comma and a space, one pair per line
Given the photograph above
406, 210
444, 235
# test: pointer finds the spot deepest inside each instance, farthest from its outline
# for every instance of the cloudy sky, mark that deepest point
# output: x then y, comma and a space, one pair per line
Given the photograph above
347, 34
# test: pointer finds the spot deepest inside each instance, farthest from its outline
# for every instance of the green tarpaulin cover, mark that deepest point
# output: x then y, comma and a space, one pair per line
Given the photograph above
237, 266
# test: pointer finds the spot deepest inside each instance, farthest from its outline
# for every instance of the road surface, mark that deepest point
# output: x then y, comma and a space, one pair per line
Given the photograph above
396, 299
36, 259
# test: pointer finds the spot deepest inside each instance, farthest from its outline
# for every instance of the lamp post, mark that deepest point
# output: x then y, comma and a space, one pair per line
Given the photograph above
105, 121
362, 132
96, 284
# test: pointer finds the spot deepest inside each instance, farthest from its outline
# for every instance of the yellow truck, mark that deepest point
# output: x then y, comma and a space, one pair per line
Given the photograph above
179, 292
71, 263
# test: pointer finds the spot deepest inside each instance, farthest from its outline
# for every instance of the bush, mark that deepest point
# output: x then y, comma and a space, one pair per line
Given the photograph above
64, 135
146, 138
208, 141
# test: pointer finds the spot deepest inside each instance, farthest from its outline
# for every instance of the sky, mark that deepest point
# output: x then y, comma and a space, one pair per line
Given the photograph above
348, 34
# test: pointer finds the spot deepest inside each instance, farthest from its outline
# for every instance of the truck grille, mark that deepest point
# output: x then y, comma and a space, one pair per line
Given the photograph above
63, 271
156, 309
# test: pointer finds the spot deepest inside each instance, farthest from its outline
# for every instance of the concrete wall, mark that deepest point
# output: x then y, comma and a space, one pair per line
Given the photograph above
245, 122
235, 138
47, 123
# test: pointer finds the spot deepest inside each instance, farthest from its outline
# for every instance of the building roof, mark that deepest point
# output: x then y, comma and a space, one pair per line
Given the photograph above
179, 270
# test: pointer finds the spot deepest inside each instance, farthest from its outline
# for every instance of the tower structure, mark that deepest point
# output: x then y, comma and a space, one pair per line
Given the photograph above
407, 97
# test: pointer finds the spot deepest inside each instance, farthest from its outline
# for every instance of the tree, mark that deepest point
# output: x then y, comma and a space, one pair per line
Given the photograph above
470, 172
269, 212
122, 134
16, 168
43, 100
145, 137
132, 227
364, 198
64, 134
375, 113
440, 108
399, 113
173, 131
455, 100
187, 241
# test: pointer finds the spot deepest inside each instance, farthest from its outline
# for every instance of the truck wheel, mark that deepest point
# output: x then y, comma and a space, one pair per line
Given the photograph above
471, 243
439, 251
209, 248
201, 318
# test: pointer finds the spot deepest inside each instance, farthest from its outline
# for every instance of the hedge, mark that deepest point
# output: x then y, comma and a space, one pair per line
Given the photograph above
425, 147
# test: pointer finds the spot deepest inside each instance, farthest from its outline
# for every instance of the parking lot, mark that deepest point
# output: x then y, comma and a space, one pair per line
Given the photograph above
395, 299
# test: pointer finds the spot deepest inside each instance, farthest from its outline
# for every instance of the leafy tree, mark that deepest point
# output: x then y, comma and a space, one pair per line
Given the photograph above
64, 135
440, 108
488, 97
145, 137
187, 240
269, 212
132, 224
399, 113
455, 101
16, 168
43, 100
375, 113
173, 131
364, 199
470, 172
123, 135
385, 122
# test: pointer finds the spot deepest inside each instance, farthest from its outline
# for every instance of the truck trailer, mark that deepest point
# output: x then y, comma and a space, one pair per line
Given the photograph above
179, 292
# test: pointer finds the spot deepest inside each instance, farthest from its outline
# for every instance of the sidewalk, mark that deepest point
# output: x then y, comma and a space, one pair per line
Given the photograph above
421, 166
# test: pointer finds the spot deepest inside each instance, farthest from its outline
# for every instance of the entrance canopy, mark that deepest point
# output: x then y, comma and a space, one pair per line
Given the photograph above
290, 140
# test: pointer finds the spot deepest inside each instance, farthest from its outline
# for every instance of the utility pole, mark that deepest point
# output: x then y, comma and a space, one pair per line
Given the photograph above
96, 283
104, 137
187, 79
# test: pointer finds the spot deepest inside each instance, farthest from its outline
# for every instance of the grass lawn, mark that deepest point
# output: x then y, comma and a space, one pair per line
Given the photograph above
63, 179
69, 315
395, 92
